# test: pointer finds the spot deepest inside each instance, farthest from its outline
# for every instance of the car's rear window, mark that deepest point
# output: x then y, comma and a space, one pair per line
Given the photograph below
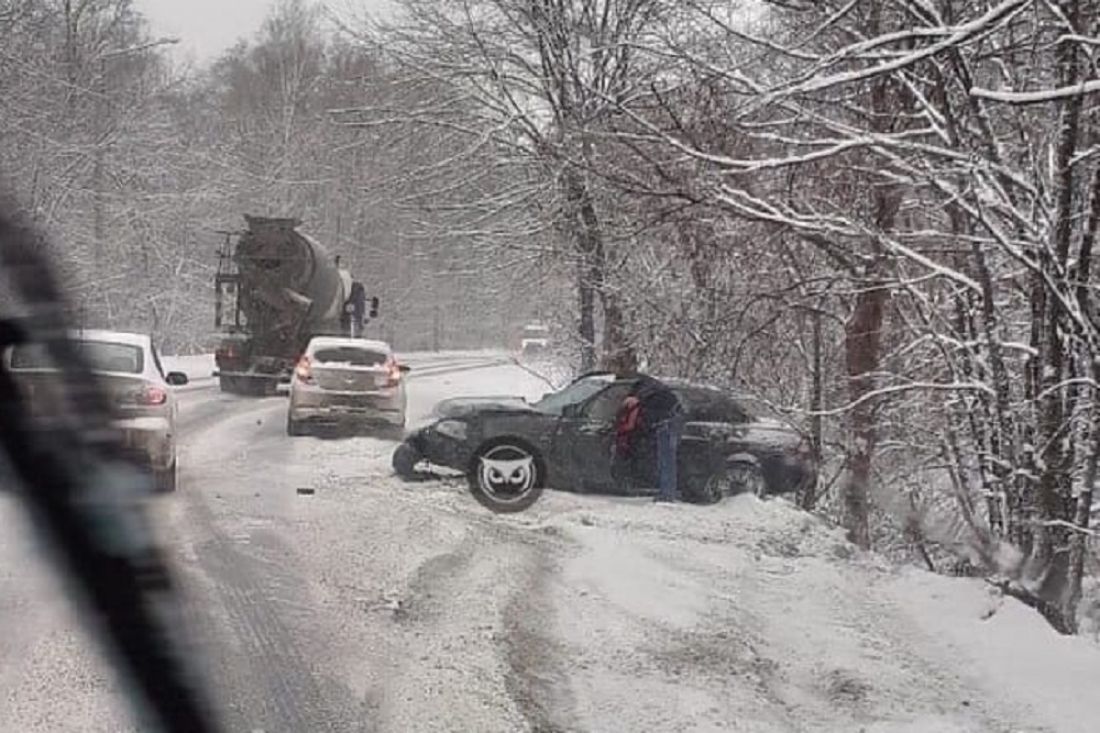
710, 405
352, 355
102, 356
759, 409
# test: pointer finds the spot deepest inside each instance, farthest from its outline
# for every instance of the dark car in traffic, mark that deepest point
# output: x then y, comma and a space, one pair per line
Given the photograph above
510, 448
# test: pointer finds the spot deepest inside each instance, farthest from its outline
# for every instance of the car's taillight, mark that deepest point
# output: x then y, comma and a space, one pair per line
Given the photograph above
154, 395
148, 396
304, 370
394, 377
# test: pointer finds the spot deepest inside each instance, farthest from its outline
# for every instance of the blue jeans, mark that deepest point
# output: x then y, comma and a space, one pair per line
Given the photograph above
668, 446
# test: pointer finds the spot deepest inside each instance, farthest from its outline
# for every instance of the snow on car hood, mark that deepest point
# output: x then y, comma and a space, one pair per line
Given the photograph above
465, 406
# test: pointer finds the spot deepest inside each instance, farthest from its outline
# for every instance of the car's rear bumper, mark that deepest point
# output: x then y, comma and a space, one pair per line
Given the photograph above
149, 440
320, 405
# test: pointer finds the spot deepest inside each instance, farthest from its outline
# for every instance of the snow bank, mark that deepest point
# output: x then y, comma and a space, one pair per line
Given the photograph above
753, 615
1007, 645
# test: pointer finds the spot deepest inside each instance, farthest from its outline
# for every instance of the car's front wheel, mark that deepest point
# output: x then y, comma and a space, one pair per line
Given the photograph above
405, 459
733, 479
506, 476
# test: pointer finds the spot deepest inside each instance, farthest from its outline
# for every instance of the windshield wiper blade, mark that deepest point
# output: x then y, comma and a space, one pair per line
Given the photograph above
84, 498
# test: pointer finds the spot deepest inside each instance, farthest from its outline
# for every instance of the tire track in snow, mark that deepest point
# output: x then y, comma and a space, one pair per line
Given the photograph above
281, 675
275, 687
537, 677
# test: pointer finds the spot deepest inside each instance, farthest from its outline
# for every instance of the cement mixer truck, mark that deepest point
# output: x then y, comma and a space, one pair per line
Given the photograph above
277, 287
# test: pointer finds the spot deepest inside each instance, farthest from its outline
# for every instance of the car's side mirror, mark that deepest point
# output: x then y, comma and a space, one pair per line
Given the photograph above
176, 379
404, 368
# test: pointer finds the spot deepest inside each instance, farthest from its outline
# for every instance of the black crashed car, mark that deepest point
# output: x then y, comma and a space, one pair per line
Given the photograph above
510, 449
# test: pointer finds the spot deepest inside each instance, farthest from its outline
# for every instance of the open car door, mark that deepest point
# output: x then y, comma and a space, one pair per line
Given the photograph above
584, 439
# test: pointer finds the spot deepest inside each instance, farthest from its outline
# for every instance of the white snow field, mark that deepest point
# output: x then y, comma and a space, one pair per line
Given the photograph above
370, 604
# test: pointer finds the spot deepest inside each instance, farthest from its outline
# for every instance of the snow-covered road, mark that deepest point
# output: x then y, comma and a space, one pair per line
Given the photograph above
368, 604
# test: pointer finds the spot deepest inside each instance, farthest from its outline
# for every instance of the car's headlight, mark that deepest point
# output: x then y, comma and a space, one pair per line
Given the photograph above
455, 429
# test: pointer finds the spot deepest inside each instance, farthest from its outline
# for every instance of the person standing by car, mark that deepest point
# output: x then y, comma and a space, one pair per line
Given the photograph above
660, 414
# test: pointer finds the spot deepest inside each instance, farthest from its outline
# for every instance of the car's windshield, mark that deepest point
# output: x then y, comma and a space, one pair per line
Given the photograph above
102, 356
577, 392
350, 355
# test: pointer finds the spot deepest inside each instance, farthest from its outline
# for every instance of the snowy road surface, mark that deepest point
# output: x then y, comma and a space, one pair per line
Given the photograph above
373, 605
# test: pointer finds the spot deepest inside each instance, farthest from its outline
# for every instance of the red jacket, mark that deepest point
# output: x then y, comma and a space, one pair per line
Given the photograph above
626, 424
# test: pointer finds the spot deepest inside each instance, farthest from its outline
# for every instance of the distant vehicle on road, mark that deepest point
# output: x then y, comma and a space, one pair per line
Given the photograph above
510, 449
534, 339
347, 382
131, 372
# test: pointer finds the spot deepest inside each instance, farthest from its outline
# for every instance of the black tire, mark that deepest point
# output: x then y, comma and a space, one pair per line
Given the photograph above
293, 427
493, 497
405, 459
747, 478
165, 480
229, 385
714, 488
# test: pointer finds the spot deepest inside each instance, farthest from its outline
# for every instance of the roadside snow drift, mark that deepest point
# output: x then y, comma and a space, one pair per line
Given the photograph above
756, 616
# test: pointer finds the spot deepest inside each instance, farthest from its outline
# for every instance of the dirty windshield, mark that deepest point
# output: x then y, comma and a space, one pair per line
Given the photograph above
585, 365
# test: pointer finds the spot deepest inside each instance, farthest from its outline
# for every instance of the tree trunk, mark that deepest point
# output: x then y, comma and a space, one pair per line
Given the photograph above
1078, 541
1078, 545
862, 337
1053, 490
817, 404
592, 276
587, 324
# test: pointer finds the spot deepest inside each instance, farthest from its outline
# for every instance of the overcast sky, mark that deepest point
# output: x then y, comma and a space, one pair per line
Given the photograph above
208, 27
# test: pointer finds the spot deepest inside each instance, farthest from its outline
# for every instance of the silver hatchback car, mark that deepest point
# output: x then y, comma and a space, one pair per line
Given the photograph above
348, 382
129, 369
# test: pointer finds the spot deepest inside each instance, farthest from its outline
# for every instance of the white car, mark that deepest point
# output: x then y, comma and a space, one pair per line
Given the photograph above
347, 382
535, 339
129, 369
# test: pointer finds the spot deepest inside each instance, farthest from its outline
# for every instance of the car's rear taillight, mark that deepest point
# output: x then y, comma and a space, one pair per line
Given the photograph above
304, 370
393, 378
148, 396
154, 395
